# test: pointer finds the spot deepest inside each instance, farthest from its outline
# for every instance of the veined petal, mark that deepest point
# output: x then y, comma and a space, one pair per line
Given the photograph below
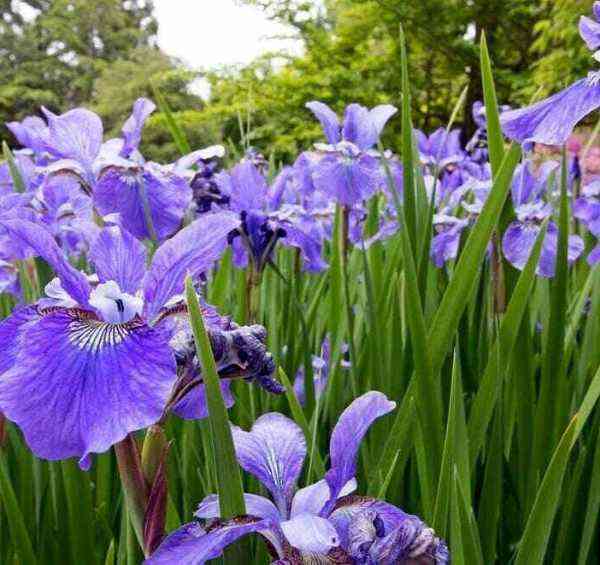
43, 245
273, 451
348, 508
312, 498
11, 329
143, 194
193, 545
119, 257
248, 188
590, 32
256, 505
347, 435
329, 120
311, 534
193, 250
132, 128
80, 385
32, 133
551, 121
76, 134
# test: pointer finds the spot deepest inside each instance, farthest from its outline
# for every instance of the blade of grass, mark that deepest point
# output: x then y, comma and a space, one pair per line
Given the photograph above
539, 524
460, 288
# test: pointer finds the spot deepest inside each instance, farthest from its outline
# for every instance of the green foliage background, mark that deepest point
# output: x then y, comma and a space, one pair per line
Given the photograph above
103, 54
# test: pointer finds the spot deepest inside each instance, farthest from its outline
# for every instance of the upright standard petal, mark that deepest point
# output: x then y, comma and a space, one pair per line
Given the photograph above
76, 134
347, 435
358, 128
80, 385
43, 245
348, 180
329, 120
132, 128
193, 250
519, 239
193, 545
32, 133
248, 188
551, 121
273, 451
120, 257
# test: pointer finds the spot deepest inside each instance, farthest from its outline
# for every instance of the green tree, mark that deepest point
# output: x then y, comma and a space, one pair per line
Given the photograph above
52, 51
352, 53
561, 55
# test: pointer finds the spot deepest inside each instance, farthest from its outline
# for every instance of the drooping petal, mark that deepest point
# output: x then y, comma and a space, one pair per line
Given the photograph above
273, 451
444, 246
193, 545
193, 250
256, 505
193, 405
310, 533
348, 180
76, 134
132, 128
80, 385
120, 257
43, 245
329, 120
594, 256
148, 199
590, 32
347, 435
11, 330
308, 237
551, 121
32, 133
519, 239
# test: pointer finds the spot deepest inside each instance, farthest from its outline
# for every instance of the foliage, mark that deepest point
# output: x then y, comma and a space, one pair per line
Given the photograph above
53, 56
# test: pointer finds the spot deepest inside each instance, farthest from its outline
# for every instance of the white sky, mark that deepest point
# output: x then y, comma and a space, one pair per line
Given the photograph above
211, 33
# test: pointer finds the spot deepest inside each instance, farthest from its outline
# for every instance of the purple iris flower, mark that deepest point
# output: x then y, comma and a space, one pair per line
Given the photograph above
471, 195
440, 149
150, 199
97, 358
527, 193
320, 365
322, 521
263, 225
587, 209
200, 169
477, 147
552, 120
349, 169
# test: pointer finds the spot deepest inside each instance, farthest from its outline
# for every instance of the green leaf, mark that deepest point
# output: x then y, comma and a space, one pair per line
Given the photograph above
229, 481
494, 131
539, 524
300, 419
548, 418
460, 288
14, 517
176, 132
79, 513
487, 393
407, 151
15, 174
